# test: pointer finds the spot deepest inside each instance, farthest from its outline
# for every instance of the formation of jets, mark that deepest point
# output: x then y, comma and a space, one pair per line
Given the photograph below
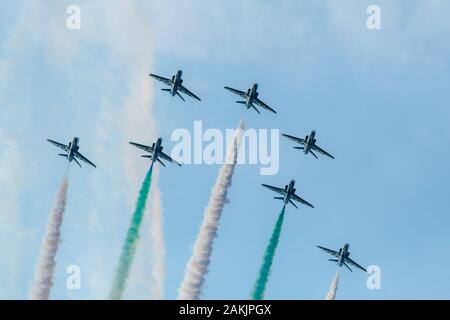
155, 153
72, 153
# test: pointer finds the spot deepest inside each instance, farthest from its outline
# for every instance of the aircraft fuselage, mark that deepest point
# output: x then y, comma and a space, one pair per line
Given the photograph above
73, 148
157, 147
289, 191
343, 254
309, 141
252, 94
176, 82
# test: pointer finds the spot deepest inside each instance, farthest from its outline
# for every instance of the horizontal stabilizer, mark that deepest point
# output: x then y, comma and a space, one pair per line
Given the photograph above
160, 162
256, 109
334, 260
168, 90
348, 267
299, 148
63, 155
181, 97
291, 202
279, 198
242, 102
77, 162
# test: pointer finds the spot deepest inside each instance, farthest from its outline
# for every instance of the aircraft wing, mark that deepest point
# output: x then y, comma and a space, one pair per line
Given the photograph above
190, 94
59, 145
298, 199
265, 106
238, 92
143, 147
166, 157
162, 79
353, 263
298, 140
83, 158
316, 147
277, 190
329, 251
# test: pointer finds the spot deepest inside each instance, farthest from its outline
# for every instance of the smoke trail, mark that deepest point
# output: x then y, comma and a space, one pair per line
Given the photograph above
331, 295
131, 240
197, 266
264, 271
158, 269
43, 279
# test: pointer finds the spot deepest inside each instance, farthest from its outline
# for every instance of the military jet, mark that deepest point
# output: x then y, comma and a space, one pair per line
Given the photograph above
175, 84
155, 151
308, 144
342, 257
251, 97
71, 150
288, 194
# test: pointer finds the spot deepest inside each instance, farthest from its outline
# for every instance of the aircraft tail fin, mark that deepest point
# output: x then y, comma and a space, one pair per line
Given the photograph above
150, 156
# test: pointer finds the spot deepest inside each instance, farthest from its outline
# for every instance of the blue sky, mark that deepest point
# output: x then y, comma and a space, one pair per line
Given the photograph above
378, 100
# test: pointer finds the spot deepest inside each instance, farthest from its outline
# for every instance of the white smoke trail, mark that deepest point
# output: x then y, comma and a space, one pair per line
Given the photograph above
43, 279
331, 295
158, 268
139, 123
197, 266
120, 117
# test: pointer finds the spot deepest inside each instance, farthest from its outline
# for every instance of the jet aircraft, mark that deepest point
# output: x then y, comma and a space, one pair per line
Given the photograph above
156, 152
251, 98
288, 194
342, 257
175, 84
71, 150
308, 145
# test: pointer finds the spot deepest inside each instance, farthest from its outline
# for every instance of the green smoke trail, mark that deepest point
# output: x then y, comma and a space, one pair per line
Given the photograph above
264, 271
129, 247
